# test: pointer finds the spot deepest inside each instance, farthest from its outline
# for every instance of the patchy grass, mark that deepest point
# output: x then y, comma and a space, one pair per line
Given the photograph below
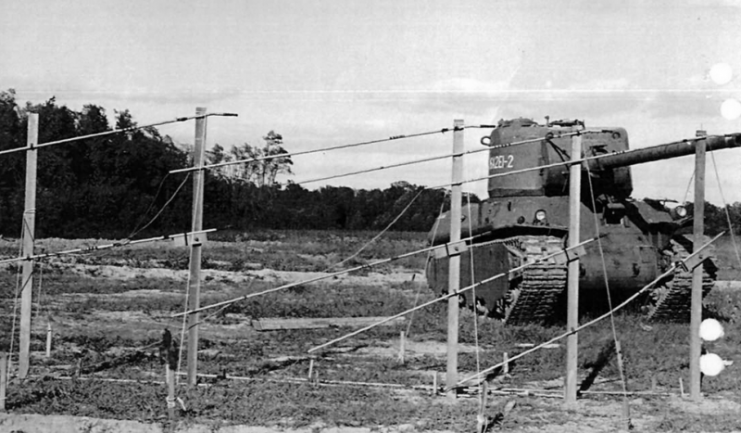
99, 319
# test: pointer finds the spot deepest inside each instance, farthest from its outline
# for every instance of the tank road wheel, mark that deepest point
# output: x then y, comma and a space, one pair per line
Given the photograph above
534, 294
671, 301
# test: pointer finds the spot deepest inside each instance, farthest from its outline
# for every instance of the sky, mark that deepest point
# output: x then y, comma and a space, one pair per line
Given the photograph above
332, 72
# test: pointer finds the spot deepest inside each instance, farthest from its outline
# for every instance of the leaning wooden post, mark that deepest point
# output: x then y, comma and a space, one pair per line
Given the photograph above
194, 287
29, 220
454, 268
572, 317
696, 305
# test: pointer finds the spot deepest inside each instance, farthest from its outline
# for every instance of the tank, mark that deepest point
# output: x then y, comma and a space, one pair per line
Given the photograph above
526, 217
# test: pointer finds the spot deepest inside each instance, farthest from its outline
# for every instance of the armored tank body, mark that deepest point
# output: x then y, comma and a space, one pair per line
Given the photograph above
526, 217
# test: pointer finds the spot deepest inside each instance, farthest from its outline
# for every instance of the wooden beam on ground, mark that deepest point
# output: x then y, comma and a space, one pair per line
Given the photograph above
276, 324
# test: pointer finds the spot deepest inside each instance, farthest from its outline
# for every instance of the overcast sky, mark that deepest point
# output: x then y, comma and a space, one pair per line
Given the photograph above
325, 73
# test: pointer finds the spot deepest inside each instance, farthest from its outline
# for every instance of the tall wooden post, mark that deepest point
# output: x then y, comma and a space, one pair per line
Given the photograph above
454, 267
194, 288
29, 221
572, 317
696, 305
3, 379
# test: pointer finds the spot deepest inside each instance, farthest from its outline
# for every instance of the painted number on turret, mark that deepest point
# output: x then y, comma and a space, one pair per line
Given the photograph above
501, 161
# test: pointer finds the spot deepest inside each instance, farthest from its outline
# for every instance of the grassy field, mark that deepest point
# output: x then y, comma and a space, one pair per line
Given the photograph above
109, 309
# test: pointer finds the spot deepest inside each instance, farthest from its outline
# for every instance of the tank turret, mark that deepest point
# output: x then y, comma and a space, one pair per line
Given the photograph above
526, 217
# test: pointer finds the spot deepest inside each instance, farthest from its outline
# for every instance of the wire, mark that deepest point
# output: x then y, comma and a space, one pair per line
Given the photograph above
115, 131
689, 185
435, 158
161, 209
319, 278
607, 289
725, 207
447, 296
101, 247
474, 299
381, 233
18, 289
427, 260
151, 205
38, 295
306, 152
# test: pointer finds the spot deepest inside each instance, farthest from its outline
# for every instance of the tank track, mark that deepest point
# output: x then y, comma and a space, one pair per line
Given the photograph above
671, 301
535, 291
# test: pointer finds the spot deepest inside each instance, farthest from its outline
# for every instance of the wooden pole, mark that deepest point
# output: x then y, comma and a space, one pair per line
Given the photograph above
696, 305
3, 379
194, 288
29, 220
454, 268
572, 318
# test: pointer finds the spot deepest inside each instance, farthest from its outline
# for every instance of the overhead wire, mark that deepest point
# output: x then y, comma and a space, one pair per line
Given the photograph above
381, 233
114, 131
474, 299
430, 159
490, 176
618, 349
162, 209
307, 152
435, 227
318, 278
101, 247
725, 207
18, 289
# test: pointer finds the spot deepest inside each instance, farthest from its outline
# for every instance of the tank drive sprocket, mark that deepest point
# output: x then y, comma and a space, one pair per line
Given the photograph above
671, 301
535, 291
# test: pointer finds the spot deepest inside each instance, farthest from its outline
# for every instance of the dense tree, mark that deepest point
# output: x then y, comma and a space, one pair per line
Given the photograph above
113, 186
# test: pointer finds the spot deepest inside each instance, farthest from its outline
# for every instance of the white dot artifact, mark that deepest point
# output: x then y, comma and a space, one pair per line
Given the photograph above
711, 364
711, 330
721, 73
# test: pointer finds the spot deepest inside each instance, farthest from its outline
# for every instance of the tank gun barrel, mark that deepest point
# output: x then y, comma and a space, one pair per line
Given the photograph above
662, 151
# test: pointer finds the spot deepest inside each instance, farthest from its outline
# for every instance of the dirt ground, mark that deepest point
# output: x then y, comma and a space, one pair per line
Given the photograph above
540, 410
588, 417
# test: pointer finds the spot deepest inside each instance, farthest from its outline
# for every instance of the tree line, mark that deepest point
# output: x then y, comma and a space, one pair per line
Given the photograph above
114, 186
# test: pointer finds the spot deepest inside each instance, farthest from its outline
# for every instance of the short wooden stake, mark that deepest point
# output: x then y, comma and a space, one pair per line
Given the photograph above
170, 380
48, 340
311, 368
505, 360
681, 388
401, 347
434, 383
3, 379
653, 384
